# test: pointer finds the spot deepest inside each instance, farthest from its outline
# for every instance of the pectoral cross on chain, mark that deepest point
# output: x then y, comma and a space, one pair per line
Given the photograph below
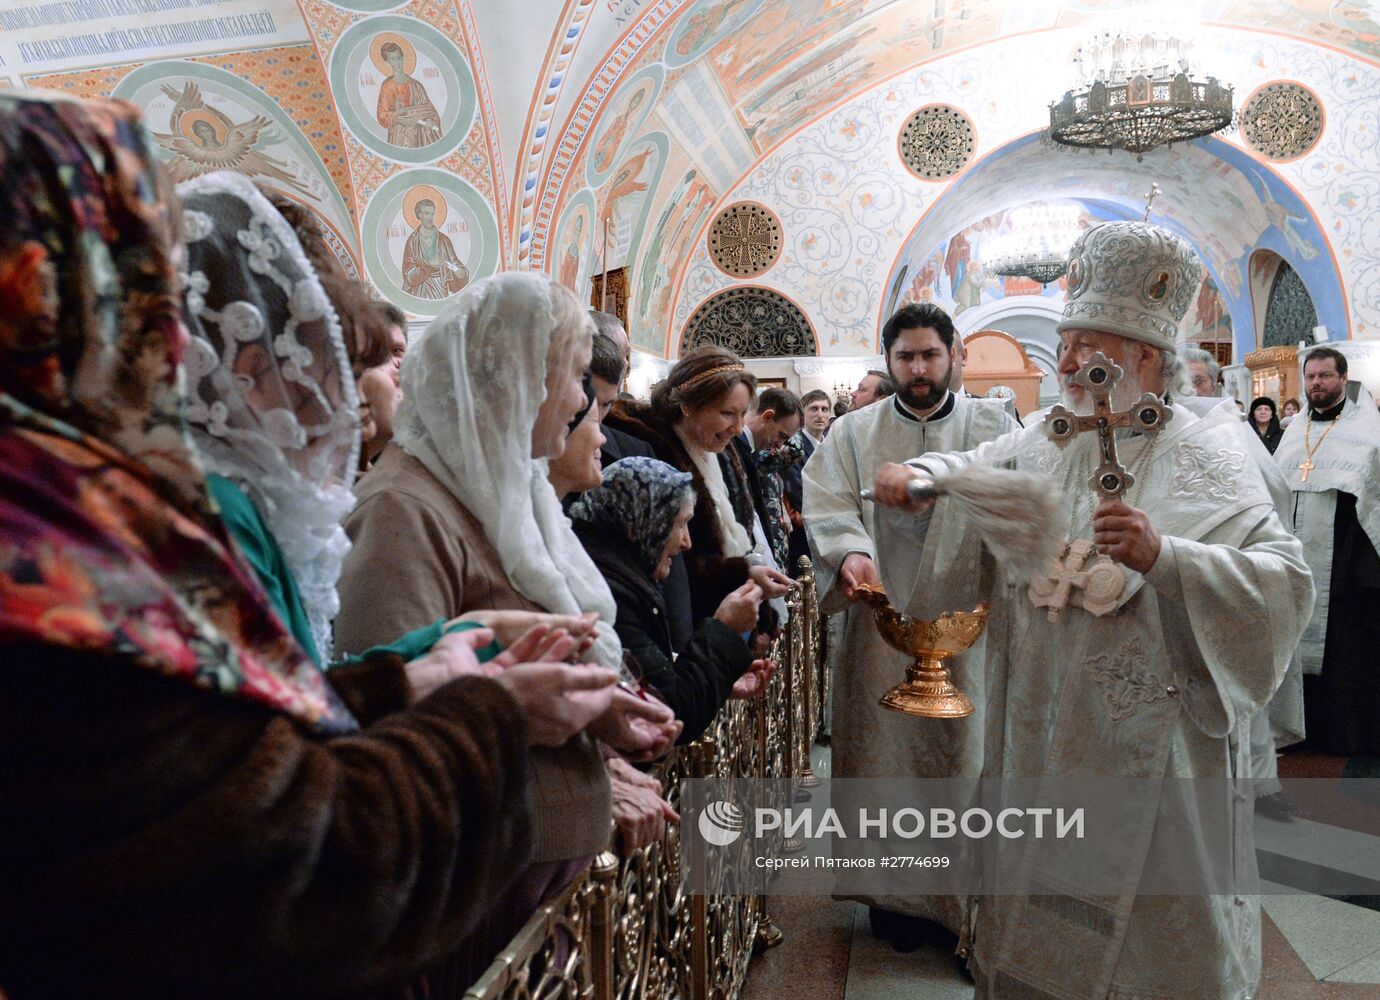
1306, 466
1102, 583
1098, 377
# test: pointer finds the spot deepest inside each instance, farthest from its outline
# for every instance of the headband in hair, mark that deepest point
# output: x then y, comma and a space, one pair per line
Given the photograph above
736, 367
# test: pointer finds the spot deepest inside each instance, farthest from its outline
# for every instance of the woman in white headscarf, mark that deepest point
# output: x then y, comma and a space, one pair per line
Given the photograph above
457, 515
272, 403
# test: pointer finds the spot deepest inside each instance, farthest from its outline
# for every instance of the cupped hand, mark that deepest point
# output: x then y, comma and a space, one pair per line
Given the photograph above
858, 569
641, 727
509, 626
452, 656
753, 683
539, 644
773, 582
558, 699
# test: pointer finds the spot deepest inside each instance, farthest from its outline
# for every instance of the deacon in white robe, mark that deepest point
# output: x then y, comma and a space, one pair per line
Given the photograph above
1157, 681
1281, 723
1330, 457
924, 415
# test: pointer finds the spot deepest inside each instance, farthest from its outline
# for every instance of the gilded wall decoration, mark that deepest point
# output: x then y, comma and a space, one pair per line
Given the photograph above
752, 322
937, 141
1282, 121
745, 239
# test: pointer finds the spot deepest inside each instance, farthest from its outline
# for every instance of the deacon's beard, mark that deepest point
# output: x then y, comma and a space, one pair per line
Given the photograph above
933, 396
1323, 405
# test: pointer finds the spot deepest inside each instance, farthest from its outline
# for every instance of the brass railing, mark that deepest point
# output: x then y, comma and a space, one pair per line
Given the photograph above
625, 930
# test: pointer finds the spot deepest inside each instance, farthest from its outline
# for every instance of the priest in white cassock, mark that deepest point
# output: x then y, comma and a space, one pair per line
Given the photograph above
921, 349
1331, 459
1195, 597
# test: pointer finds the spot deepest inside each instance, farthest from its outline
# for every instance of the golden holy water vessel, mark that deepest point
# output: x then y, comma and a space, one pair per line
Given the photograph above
927, 690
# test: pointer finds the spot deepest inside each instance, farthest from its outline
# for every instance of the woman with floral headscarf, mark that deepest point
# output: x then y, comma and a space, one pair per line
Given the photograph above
189, 807
633, 526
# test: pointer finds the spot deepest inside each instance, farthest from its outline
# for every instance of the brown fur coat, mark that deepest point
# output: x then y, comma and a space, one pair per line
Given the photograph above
160, 841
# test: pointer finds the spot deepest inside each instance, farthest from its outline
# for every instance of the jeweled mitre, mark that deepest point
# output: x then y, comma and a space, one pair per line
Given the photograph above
1131, 279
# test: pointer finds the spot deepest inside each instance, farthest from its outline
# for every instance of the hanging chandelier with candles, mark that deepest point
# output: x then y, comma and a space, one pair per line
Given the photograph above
1038, 245
1137, 92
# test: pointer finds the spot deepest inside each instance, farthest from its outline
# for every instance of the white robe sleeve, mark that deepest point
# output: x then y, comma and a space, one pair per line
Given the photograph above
833, 513
994, 452
1233, 612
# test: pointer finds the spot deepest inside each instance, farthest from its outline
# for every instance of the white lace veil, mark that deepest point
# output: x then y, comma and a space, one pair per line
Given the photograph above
473, 382
272, 401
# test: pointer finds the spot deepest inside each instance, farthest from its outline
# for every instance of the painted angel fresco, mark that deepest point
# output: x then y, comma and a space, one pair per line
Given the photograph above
627, 183
203, 140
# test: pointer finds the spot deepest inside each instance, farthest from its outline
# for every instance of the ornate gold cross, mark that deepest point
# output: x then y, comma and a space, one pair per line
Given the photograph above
1098, 377
1307, 466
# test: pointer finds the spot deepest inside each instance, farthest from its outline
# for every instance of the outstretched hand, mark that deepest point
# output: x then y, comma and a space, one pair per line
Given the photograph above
753, 683
773, 582
452, 656
891, 488
557, 699
641, 727
509, 626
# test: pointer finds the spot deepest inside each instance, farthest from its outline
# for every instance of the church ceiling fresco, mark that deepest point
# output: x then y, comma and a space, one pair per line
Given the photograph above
374, 116
627, 125
847, 210
420, 142
205, 116
773, 76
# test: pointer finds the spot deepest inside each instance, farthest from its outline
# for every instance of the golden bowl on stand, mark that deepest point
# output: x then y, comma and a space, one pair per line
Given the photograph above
927, 690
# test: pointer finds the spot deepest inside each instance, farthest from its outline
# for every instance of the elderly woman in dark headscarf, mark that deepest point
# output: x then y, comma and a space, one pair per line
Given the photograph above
189, 808
632, 526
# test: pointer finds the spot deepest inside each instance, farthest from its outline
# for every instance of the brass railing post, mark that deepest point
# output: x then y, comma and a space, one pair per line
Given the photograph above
808, 612
702, 754
604, 872
768, 934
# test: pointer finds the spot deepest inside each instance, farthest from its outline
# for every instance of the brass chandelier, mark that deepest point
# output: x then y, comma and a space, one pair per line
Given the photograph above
1138, 95
1042, 265
1038, 244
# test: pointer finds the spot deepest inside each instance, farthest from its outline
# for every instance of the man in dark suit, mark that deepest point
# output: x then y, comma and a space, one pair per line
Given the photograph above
608, 369
818, 408
774, 420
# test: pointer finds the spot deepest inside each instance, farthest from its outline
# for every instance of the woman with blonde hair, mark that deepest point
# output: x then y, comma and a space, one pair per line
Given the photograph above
691, 421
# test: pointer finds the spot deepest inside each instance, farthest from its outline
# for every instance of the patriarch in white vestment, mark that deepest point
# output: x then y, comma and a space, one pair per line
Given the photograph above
1155, 672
